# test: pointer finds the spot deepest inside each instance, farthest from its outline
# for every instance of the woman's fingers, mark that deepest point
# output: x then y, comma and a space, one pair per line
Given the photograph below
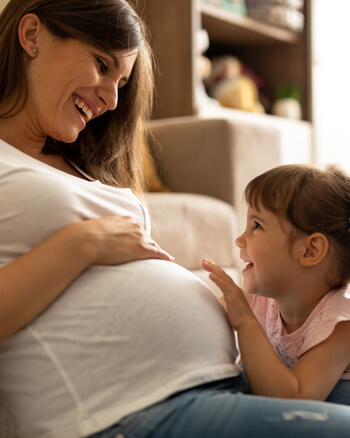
122, 239
159, 253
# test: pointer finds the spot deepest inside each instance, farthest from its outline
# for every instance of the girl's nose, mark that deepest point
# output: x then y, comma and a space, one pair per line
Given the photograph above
240, 241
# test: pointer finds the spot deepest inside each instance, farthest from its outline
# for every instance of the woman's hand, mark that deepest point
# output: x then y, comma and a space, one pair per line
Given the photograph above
114, 240
30, 283
237, 306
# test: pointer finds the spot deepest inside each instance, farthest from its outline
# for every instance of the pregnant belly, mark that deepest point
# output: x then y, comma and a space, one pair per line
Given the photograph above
150, 303
119, 338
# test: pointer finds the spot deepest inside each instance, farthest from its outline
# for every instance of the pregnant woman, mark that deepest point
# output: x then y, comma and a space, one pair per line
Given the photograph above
101, 333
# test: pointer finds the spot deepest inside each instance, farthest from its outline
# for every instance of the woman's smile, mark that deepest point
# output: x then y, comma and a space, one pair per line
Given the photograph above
83, 108
64, 95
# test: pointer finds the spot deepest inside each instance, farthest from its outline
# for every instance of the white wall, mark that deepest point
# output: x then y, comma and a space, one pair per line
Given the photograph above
331, 81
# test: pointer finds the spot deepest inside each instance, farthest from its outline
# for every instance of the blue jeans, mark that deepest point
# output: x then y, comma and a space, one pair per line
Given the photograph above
223, 410
341, 393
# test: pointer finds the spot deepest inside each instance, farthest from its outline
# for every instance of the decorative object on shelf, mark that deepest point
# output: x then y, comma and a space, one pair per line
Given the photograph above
218, 3
231, 87
203, 71
282, 13
235, 6
287, 103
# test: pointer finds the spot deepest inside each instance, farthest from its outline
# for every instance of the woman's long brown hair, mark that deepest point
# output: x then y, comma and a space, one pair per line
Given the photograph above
110, 146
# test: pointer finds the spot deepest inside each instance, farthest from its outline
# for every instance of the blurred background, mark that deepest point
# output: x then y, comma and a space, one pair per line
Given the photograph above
215, 55
330, 76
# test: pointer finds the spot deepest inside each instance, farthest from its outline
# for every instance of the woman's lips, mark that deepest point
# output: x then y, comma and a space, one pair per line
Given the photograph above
81, 105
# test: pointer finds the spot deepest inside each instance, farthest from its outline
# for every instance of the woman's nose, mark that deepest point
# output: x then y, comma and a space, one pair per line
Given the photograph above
109, 95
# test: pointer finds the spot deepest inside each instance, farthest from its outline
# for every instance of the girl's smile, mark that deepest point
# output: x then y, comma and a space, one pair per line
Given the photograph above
248, 265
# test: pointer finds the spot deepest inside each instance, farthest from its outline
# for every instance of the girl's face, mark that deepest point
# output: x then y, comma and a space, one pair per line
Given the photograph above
271, 265
71, 83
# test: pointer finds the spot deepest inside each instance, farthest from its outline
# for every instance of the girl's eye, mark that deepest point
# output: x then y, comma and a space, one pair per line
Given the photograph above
257, 225
103, 67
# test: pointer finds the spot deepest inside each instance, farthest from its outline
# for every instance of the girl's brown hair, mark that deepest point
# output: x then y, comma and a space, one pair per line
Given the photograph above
312, 200
110, 146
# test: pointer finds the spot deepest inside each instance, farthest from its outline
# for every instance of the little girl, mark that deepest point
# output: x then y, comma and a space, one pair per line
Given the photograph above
295, 338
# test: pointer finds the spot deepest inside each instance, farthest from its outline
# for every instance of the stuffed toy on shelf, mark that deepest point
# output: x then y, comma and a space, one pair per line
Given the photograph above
231, 86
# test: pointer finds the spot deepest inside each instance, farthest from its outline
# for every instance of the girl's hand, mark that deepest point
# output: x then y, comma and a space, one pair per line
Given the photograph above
114, 240
238, 309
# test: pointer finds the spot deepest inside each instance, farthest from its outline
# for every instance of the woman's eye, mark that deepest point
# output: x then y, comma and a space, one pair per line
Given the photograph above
103, 67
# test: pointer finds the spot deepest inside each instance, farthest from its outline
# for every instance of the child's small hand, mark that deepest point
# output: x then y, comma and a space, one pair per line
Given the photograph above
237, 306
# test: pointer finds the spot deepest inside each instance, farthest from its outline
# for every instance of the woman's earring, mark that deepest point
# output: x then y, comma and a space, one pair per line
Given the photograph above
34, 49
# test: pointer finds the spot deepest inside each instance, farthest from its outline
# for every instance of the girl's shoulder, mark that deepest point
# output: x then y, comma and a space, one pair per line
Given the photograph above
263, 307
337, 303
333, 309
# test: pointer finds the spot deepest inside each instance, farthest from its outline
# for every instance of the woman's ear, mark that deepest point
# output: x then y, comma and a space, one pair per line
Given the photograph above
315, 250
28, 31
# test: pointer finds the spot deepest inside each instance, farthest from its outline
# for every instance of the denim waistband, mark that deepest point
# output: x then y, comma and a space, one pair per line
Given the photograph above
156, 412
129, 423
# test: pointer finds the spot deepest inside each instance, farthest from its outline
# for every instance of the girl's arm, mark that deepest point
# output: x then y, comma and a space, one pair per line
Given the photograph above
32, 282
315, 374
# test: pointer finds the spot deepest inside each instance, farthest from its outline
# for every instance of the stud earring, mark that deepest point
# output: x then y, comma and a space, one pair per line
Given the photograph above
34, 49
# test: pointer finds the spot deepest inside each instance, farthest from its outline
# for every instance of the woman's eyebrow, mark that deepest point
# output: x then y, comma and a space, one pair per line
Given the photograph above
115, 59
117, 65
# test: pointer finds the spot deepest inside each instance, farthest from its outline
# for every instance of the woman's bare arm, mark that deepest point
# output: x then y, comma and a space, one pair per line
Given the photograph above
32, 282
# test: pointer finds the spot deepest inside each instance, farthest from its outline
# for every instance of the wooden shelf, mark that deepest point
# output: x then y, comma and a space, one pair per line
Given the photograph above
278, 55
228, 28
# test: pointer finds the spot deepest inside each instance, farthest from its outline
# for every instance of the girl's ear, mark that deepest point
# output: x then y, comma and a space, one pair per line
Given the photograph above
29, 29
315, 250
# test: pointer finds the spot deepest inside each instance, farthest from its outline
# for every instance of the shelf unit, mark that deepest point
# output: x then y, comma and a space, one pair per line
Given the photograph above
275, 54
226, 27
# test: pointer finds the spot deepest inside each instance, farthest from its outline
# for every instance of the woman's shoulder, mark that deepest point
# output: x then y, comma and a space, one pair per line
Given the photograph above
9, 153
12, 158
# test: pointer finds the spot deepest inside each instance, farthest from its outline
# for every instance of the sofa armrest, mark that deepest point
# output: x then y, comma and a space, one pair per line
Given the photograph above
199, 227
215, 157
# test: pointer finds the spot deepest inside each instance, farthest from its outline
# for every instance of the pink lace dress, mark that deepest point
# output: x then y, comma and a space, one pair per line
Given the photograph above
332, 309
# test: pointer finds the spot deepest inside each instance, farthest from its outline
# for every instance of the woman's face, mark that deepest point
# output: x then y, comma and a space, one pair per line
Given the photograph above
70, 83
